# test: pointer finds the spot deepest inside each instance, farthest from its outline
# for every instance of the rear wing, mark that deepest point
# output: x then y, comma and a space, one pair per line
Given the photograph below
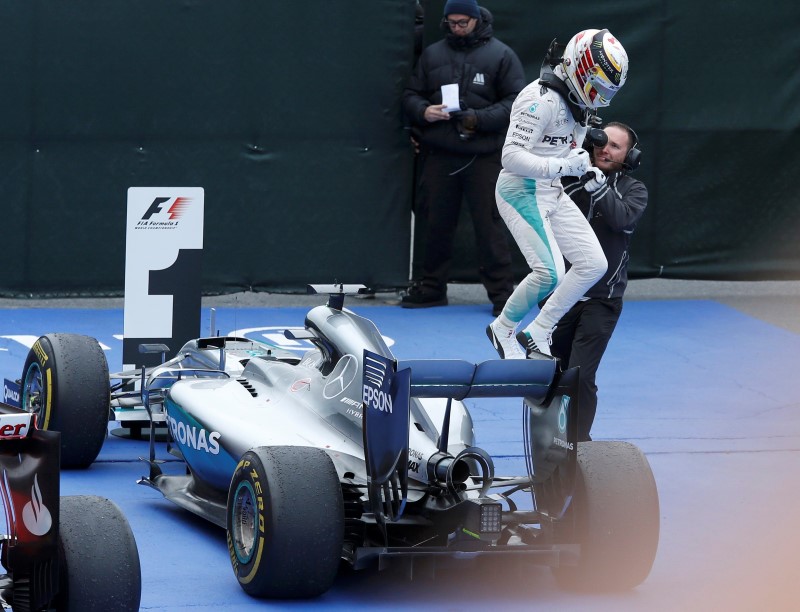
549, 407
457, 379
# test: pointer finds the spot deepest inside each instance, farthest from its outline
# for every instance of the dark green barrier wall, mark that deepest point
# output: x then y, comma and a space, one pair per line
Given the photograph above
288, 115
713, 93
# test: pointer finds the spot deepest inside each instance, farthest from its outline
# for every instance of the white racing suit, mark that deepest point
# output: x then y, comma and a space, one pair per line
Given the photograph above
543, 220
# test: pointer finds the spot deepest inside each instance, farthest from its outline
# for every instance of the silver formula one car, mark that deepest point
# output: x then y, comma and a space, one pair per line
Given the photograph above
347, 454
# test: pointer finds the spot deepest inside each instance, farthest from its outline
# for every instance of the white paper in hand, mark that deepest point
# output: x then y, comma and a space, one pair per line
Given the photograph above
450, 98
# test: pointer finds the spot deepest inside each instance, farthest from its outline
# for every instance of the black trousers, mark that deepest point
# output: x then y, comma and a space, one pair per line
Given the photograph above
445, 180
580, 339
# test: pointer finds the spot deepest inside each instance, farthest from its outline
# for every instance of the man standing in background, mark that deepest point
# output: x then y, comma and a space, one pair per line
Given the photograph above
460, 149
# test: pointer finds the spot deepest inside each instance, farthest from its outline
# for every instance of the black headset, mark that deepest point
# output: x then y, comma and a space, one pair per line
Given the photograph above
634, 156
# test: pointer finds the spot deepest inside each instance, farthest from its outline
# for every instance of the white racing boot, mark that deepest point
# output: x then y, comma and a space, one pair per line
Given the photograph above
504, 341
536, 340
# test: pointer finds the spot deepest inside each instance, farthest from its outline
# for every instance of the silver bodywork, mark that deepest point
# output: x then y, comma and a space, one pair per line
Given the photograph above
224, 396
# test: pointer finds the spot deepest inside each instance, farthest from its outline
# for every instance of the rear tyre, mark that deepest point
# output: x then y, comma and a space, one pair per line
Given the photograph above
615, 517
65, 383
98, 558
285, 522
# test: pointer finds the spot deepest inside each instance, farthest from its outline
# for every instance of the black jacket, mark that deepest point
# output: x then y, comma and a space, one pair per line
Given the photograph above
489, 76
613, 212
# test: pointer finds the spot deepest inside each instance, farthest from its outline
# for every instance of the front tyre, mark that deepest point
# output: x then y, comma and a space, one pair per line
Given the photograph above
614, 516
285, 522
98, 558
65, 383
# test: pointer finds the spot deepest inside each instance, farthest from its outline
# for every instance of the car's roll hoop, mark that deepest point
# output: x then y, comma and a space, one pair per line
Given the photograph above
336, 292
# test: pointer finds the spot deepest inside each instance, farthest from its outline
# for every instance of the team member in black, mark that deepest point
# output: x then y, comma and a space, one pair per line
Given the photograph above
613, 204
460, 150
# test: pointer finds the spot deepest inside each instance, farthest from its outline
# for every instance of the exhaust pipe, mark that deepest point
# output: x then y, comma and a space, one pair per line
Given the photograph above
446, 470
453, 472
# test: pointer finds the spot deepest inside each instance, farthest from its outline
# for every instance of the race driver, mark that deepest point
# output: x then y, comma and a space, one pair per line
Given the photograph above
547, 128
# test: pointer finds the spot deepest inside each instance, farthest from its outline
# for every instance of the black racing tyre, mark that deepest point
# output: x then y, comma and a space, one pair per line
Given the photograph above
65, 383
615, 516
98, 558
285, 522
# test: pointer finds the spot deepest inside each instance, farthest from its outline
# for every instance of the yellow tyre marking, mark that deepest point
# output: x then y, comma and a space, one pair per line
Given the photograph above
246, 579
47, 408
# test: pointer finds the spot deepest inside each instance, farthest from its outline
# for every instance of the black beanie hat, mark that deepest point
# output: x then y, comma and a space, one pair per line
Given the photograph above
462, 7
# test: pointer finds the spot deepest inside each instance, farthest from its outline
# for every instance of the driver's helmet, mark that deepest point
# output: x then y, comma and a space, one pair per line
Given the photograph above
595, 66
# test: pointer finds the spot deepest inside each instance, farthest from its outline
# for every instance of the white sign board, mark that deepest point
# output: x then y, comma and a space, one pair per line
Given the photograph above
163, 251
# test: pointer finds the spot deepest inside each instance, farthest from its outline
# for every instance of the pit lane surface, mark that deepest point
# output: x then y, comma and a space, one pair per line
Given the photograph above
709, 393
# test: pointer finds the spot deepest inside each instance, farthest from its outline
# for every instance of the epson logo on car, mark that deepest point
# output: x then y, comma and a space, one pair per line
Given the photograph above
195, 437
377, 387
378, 399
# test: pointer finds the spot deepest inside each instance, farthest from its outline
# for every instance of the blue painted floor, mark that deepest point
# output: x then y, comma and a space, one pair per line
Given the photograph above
711, 395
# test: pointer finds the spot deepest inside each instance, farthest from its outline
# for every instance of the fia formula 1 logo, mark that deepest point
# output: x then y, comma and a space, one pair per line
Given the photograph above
164, 212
